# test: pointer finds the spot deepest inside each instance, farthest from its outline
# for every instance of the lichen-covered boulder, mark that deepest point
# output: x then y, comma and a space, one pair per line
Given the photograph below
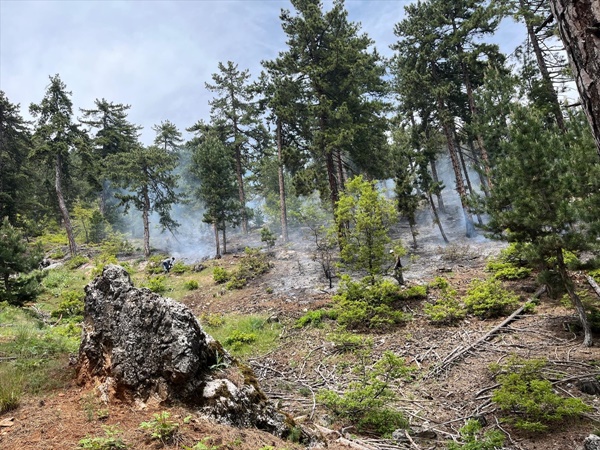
139, 346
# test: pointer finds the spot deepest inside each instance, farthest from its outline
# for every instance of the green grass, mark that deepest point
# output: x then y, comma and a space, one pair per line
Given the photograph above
245, 335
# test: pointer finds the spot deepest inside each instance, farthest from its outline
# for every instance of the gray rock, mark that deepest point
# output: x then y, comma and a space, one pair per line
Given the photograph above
592, 442
138, 347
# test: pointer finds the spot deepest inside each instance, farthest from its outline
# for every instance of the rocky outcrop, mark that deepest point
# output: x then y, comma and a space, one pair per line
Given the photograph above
139, 346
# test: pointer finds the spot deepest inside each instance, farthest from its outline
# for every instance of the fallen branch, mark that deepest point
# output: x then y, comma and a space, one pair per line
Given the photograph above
460, 354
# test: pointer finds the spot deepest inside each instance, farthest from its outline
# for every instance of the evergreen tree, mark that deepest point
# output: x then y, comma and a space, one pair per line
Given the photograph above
340, 82
15, 142
168, 137
56, 141
212, 168
235, 112
16, 260
114, 134
543, 193
369, 216
146, 173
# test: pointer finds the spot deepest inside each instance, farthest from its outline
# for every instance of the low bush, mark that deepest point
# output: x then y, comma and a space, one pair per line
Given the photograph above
76, 261
360, 304
487, 299
439, 283
71, 306
180, 268
316, 317
157, 284
267, 236
418, 292
238, 338
366, 403
161, 427
110, 441
220, 275
191, 285
448, 310
11, 388
473, 439
528, 399
507, 271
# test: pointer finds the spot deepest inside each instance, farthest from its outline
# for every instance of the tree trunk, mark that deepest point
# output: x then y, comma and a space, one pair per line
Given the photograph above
568, 285
436, 217
436, 180
282, 201
240, 174
467, 177
217, 245
224, 238
340, 169
579, 26
482, 180
546, 79
146, 221
460, 187
63, 206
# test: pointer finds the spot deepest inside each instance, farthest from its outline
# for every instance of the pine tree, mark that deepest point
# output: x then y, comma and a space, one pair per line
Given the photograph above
16, 260
15, 141
168, 137
369, 216
339, 80
215, 180
543, 193
146, 173
235, 112
56, 139
114, 134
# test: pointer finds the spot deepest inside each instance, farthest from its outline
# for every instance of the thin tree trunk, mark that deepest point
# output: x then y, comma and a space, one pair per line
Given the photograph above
413, 232
146, 221
483, 181
460, 187
568, 285
63, 206
240, 175
224, 239
579, 26
546, 79
340, 168
217, 244
438, 194
467, 177
282, 200
436, 218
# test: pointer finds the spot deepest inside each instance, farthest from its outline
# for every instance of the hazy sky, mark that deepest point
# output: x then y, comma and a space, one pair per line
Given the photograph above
157, 55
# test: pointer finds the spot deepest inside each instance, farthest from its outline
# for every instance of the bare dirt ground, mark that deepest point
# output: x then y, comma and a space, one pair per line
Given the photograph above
307, 360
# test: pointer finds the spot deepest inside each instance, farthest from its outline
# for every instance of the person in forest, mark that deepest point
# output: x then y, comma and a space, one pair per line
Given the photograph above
397, 269
168, 264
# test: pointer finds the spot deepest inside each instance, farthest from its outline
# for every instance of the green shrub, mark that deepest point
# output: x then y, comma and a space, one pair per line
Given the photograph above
595, 274
71, 306
448, 310
507, 271
517, 254
212, 320
110, 440
202, 445
180, 267
76, 261
529, 399
101, 261
57, 254
154, 265
487, 299
348, 342
237, 338
157, 284
439, 283
360, 304
267, 236
315, 318
161, 428
191, 285
473, 439
414, 293
366, 402
220, 275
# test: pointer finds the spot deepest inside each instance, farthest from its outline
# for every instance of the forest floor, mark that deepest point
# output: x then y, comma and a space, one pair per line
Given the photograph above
440, 398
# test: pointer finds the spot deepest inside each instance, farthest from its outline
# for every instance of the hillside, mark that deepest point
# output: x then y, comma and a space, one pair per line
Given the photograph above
437, 398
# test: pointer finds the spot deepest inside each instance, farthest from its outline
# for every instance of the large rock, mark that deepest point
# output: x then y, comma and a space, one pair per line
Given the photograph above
139, 346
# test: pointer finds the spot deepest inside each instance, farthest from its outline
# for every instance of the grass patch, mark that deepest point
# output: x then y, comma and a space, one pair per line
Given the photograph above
245, 335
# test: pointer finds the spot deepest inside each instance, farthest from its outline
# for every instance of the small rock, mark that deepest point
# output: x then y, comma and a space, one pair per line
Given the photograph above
592, 442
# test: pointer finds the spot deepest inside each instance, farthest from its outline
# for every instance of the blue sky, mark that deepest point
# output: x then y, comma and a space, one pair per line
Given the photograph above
157, 55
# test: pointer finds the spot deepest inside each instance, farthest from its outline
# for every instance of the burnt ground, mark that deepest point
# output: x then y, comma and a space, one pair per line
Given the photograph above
439, 398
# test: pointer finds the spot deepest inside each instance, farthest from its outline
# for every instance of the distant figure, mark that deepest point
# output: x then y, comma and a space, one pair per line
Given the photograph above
168, 263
